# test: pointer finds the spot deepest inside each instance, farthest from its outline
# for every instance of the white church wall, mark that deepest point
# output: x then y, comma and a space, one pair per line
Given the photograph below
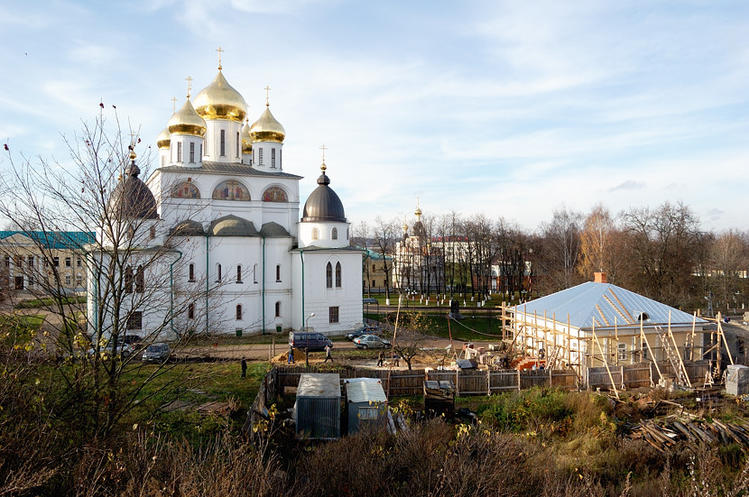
321, 235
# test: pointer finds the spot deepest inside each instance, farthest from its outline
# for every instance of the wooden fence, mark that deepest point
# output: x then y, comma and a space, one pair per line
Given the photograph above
472, 382
643, 374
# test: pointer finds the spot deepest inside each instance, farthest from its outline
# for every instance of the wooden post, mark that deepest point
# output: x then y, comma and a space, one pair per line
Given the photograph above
605, 362
728, 349
676, 348
554, 336
719, 332
621, 372
691, 348
518, 380
616, 338
569, 342
457, 382
488, 382
652, 356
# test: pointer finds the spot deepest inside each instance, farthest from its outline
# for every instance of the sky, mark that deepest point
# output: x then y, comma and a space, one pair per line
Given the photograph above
506, 108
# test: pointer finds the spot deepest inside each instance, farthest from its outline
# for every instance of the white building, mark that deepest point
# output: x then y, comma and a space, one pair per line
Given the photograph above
225, 208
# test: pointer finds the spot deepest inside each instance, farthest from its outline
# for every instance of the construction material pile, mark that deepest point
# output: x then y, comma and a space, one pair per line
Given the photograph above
668, 433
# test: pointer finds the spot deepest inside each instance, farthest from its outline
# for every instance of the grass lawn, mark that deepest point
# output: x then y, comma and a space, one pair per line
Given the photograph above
488, 327
19, 329
170, 401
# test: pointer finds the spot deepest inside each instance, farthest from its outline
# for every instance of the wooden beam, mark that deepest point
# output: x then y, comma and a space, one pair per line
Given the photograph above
631, 319
605, 362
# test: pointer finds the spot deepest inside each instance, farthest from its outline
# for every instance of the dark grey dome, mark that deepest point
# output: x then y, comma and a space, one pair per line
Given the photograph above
232, 225
188, 227
323, 204
131, 197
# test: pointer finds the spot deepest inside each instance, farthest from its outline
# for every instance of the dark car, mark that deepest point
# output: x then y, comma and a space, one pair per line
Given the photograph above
364, 330
132, 339
309, 340
157, 352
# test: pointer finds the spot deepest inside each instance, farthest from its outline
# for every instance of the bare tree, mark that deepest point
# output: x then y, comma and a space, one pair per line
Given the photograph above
384, 234
129, 258
559, 250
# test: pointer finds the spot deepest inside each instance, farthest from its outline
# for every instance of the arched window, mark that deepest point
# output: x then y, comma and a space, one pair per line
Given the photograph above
218, 273
329, 276
275, 194
185, 190
239, 312
140, 280
231, 190
278, 272
129, 279
338, 275
334, 234
315, 233
239, 273
278, 309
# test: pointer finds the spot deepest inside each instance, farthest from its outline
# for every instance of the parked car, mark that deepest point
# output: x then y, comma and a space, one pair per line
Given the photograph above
156, 352
312, 341
123, 349
371, 342
364, 330
132, 339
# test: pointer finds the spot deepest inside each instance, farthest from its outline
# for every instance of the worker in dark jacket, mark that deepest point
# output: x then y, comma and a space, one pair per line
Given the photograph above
244, 367
380, 358
291, 354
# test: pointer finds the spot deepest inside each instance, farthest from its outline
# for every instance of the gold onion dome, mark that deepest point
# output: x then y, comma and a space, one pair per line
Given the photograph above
246, 139
267, 128
220, 100
186, 121
164, 139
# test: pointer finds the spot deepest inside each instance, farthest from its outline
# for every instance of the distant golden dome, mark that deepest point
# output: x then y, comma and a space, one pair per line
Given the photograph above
417, 212
164, 139
246, 140
267, 128
220, 100
186, 121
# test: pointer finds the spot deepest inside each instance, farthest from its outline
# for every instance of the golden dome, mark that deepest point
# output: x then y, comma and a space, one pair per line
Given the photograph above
164, 139
186, 121
246, 139
405, 227
418, 212
267, 129
220, 101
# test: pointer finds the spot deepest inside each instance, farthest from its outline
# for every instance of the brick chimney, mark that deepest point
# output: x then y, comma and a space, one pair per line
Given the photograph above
600, 277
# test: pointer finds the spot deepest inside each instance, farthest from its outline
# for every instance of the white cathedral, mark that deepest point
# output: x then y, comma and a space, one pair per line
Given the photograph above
222, 202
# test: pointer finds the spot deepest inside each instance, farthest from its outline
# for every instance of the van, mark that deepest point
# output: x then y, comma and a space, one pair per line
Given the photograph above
309, 339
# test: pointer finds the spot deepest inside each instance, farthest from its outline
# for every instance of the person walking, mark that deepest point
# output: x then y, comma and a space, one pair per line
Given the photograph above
380, 358
328, 356
244, 367
291, 355
306, 356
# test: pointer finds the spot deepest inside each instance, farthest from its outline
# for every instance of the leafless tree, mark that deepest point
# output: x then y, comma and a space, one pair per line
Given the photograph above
384, 234
129, 260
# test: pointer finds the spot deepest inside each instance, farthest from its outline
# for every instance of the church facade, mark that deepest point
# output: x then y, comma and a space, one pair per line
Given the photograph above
222, 203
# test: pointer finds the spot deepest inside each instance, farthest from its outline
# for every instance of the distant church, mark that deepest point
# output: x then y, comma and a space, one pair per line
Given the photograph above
222, 201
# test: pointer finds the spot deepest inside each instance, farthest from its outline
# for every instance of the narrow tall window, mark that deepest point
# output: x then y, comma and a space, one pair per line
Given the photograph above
338, 275
315, 233
334, 234
135, 320
273, 158
152, 232
129, 279
191, 272
237, 143
332, 315
191, 311
329, 276
278, 309
179, 151
192, 152
260, 156
68, 262
254, 274
223, 143
30, 261
278, 272
239, 312
239, 273
140, 280
280, 155
78, 262
218, 272
201, 150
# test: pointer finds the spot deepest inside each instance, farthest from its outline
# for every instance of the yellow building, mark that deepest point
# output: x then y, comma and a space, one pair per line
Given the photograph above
376, 272
32, 262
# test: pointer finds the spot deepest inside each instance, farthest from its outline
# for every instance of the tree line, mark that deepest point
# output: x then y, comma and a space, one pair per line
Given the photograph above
660, 252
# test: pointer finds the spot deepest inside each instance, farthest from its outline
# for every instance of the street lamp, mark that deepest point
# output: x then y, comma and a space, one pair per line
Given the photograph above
311, 315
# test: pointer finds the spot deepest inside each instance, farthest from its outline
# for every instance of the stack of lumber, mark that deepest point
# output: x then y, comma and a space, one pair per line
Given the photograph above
668, 433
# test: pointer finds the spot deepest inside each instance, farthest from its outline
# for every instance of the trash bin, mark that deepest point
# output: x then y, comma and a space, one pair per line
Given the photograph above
239, 332
279, 329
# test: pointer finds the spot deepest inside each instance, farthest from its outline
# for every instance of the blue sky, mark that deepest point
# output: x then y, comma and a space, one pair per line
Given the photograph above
510, 109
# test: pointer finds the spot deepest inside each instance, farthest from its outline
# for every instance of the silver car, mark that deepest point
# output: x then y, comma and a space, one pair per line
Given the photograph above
371, 342
157, 352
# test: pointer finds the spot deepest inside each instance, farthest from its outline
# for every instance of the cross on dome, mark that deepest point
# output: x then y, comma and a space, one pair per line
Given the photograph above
267, 95
189, 85
174, 105
220, 51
